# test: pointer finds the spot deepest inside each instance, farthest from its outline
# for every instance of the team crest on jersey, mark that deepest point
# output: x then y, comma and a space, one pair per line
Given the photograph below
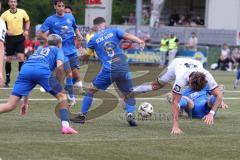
177, 88
68, 21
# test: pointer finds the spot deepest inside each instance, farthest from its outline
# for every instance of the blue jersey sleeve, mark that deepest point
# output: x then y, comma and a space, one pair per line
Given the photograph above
120, 33
60, 55
74, 25
46, 25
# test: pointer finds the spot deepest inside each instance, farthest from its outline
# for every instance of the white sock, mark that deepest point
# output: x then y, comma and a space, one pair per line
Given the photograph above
78, 84
65, 124
143, 88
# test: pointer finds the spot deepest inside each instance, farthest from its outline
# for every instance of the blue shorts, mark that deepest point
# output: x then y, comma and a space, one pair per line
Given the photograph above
122, 80
30, 76
71, 61
201, 107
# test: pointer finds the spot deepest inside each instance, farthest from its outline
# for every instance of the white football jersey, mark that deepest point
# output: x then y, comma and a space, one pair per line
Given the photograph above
180, 69
3, 30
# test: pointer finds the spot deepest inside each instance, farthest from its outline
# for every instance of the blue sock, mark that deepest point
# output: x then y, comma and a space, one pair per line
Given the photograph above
69, 86
86, 103
130, 105
238, 74
64, 116
74, 80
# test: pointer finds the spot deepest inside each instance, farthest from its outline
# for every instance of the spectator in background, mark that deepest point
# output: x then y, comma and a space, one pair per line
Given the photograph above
225, 60
36, 43
172, 47
199, 21
174, 18
236, 59
164, 49
132, 19
183, 21
192, 42
145, 17
29, 48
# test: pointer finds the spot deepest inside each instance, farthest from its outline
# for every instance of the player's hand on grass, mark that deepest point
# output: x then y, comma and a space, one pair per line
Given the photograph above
176, 131
209, 119
224, 106
24, 109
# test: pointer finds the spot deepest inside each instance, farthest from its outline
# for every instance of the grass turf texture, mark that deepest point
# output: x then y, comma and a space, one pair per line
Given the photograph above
37, 136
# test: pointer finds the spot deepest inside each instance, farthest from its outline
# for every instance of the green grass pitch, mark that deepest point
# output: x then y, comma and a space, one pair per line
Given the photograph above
37, 136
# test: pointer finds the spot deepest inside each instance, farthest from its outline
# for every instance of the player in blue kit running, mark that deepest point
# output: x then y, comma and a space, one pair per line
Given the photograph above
197, 104
64, 24
38, 69
106, 44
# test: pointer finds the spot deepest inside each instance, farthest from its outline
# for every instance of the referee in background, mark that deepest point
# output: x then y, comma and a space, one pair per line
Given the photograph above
18, 24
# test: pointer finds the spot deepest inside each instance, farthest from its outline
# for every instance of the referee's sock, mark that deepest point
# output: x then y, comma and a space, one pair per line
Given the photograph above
20, 65
8, 68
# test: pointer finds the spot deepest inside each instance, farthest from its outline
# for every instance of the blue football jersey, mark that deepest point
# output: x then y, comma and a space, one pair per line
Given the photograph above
46, 57
65, 27
106, 44
196, 94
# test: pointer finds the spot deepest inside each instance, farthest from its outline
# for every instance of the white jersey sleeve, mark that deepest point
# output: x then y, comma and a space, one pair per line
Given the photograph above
212, 84
3, 30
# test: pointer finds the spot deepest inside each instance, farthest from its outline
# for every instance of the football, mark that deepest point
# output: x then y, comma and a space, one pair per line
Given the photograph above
145, 109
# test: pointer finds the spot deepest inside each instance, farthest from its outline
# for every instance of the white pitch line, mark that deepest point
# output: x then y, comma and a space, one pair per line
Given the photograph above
112, 88
153, 98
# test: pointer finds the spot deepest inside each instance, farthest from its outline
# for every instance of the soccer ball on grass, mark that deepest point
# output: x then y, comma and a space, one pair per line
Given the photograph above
145, 110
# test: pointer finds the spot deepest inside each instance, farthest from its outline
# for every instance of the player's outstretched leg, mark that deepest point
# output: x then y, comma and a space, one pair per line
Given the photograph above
86, 104
64, 114
10, 105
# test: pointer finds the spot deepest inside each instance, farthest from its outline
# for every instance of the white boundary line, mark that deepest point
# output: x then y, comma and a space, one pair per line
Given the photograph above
226, 91
153, 98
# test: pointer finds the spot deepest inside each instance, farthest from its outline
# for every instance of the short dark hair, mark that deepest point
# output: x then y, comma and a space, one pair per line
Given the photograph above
69, 7
98, 20
57, 1
197, 81
54, 39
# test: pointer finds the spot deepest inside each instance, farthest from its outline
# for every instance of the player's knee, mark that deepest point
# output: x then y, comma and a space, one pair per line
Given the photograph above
21, 57
92, 89
9, 59
69, 73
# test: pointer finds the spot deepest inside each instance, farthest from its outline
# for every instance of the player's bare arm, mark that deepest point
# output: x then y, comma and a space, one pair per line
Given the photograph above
42, 35
78, 34
131, 37
60, 71
209, 118
175, 113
